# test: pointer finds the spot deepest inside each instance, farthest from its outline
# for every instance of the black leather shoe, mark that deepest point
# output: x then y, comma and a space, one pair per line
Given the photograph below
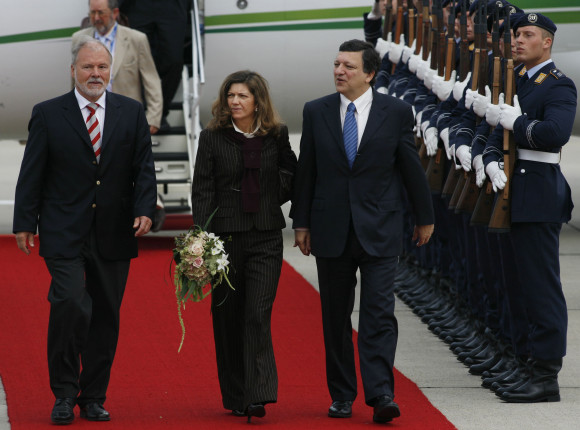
238, 413
255, 410
340, 409
63, 411
385, 410
94, 412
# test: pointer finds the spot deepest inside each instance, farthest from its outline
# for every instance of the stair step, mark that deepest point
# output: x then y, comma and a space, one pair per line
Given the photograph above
171, 130
170, 156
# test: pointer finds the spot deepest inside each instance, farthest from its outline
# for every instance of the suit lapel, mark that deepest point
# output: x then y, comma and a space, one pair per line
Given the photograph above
331, 115
377, 116
74, 116
120, 50
112, 114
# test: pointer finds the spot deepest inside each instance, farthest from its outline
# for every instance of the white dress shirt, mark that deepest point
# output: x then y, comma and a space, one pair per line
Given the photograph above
100, 111
361, 115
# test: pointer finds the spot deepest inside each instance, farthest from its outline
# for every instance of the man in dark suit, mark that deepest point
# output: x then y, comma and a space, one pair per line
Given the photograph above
348, 211
87, 182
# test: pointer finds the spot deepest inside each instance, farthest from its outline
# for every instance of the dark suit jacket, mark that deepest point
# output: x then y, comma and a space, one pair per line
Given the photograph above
327, 193
62, 190
217, 183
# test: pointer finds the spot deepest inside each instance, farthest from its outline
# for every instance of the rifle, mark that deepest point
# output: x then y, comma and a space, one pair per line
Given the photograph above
424, 55
435, 172
388, 22
484, 206
398, 30
454, 175
470, 192
419, 43
501, 216
411, 21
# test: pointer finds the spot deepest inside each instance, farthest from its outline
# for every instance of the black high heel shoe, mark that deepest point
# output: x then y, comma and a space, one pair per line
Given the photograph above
255, 410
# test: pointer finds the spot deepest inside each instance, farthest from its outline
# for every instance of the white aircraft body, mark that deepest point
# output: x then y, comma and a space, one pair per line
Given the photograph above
291, 43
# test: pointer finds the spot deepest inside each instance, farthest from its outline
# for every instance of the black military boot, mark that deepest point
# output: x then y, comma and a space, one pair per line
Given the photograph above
541, 385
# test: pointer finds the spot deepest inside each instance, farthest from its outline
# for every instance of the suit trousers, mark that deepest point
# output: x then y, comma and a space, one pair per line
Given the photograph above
85, 298
378, 329
537, 247
242, 319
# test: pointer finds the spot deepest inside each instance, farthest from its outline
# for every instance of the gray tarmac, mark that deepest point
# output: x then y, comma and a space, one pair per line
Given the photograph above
421, 356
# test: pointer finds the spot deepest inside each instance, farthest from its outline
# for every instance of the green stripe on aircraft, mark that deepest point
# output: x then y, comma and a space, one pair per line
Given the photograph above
39, 35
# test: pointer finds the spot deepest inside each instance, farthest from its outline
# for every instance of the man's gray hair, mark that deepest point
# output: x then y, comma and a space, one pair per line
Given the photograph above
85, 40
113, 4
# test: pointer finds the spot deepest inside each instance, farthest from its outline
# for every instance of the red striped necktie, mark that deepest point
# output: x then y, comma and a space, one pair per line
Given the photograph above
94, 129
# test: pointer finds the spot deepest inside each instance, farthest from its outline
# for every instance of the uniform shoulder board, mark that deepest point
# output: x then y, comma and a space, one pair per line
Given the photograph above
557, 73
522, 72
540, 78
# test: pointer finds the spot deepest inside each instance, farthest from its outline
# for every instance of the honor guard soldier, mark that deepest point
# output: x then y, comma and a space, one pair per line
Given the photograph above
541, 119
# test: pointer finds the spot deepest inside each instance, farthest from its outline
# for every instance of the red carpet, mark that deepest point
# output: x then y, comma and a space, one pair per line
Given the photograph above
154, 387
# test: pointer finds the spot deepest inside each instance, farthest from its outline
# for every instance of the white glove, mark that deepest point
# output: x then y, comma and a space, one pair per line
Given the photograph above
397, 50
479, 170
469, 98
418, 123
424, 126
431, 139
463, 154
459, 87
437, 80
383, 46
414, 63
509, 114
496, 175
445, 87
481, 101
422, 68
492, 112
454, 157
383, 90
407, 53
414, 111
444, 135
429, 76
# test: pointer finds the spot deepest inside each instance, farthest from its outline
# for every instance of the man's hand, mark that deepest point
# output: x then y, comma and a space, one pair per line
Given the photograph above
143, 225
463, 154
431, 140
481, 102
396, 51
509, 114
383, 46
445, 138
492, 112
469, 98
496, 175
445, 88
153, 129
22, 238
459, 87
422, 233
479, 170
302, 241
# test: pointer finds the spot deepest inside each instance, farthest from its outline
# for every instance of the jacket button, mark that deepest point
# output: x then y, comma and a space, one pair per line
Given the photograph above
98, 182
94, 163
523, 171
94, 205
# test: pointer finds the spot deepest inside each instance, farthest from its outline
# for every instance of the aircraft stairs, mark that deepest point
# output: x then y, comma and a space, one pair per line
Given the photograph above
174, 149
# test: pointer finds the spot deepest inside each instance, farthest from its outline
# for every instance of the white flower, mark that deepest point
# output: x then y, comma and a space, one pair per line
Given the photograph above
222, 262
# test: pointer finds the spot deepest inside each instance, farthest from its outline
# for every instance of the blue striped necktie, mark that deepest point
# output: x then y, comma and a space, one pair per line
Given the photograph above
350, 134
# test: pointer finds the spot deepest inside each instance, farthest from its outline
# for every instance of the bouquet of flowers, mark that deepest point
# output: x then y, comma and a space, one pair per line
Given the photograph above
201, 264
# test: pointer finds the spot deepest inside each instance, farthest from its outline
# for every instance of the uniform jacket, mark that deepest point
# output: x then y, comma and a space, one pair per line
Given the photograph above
134, 71
327, 193
62, 189
540, 192
217, 183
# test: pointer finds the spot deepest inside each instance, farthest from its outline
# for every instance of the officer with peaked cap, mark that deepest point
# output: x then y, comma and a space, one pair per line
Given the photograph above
541, 120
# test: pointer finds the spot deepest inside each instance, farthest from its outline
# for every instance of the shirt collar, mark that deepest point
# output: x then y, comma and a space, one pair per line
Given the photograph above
83, 102
110, 35
361, 103
248, 135
531, 72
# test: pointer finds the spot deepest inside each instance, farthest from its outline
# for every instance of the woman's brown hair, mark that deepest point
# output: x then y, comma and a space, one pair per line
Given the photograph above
266, 116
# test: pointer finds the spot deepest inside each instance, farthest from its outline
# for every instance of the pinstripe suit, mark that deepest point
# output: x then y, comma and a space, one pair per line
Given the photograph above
241, 318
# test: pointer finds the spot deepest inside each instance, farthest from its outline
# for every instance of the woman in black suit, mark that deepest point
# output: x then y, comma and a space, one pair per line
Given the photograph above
244, 169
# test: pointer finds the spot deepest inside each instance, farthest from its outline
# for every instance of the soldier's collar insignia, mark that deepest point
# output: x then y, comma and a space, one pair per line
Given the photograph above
540, 78
523, 71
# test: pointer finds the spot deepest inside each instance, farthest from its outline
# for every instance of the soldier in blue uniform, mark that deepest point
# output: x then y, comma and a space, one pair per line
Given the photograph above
541, 120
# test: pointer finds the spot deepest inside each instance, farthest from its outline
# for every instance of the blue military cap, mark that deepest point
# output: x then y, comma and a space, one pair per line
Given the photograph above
459, 5
514, 17
504, 7
536, 19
